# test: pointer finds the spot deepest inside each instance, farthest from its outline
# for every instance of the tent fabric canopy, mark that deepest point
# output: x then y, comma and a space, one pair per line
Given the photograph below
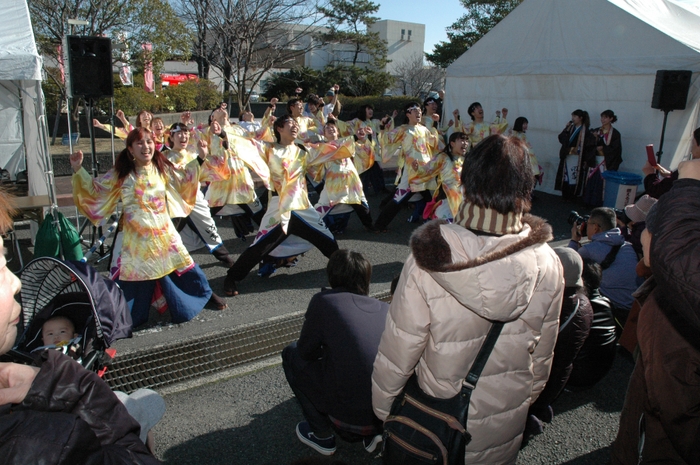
19, 59
23, 134
548, 58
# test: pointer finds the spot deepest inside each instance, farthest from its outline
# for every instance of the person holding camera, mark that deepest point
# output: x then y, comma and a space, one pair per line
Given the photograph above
617, 257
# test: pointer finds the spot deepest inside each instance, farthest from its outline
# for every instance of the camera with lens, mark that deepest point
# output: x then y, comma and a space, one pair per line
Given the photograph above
580, 221
621, 215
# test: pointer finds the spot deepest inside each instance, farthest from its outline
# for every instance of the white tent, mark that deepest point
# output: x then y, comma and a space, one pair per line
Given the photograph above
548, 58
23, 135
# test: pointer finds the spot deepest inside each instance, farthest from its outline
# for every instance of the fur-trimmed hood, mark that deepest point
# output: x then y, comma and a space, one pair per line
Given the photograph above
494, 277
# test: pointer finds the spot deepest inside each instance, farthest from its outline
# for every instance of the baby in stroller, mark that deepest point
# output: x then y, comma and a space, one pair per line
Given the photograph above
70, 308
58, 331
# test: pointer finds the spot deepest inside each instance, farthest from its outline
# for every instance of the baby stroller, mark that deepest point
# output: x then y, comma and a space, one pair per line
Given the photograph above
94, 304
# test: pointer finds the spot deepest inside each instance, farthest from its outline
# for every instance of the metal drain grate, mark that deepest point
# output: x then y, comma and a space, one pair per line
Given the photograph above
182, 361
178, 362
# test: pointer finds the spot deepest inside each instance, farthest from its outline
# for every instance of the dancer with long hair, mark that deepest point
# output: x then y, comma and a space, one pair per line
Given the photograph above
152, 255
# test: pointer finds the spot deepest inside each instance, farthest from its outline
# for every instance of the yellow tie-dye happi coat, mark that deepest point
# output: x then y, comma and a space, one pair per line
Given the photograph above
227, 170
411, 144
288, 165
343, 183
152, 248
480, 131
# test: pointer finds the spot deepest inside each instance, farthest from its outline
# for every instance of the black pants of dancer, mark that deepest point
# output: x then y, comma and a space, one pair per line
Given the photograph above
253, 254
392, 208
362, 211
374, 177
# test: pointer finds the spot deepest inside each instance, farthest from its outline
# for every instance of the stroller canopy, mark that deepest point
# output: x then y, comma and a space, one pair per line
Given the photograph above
46, 279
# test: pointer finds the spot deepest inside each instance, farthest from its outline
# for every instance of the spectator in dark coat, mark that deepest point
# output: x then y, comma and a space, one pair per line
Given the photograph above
574, 325
330, 367
660, 420
596, 357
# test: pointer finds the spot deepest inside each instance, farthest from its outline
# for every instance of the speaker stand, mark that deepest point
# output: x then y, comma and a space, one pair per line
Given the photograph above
95, 231
663, 134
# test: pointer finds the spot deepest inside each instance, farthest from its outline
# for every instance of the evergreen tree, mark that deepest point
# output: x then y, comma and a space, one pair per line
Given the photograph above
481, 17
348, 23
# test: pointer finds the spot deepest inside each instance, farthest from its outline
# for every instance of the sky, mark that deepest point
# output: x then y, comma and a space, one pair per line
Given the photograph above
437, 15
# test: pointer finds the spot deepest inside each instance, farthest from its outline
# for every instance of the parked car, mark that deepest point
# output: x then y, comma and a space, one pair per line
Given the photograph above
254, 97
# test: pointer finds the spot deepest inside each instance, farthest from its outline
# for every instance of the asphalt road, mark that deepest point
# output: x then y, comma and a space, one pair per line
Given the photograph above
250, 419
248, 416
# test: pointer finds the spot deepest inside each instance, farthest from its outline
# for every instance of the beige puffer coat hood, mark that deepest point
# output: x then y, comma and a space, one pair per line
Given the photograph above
452, 286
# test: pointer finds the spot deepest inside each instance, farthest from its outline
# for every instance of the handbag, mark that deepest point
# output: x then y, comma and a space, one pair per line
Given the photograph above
423, 429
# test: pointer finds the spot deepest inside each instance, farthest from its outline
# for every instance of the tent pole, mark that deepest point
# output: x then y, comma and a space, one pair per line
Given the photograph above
68, 118
48, 167
57, 121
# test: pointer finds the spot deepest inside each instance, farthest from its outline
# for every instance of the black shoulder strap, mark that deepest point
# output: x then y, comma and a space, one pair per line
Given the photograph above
610, 257
483, 355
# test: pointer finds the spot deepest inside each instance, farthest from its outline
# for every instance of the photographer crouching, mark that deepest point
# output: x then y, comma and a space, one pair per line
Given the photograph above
608, 248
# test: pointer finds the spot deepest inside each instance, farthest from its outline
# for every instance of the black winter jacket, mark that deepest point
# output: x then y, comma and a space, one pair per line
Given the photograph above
675, 258
69, 416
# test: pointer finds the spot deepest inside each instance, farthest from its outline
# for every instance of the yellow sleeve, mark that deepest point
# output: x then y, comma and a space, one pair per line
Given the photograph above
96, 198
319, 154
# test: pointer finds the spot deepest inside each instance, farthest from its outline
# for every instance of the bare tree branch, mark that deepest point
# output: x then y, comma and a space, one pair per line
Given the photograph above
413, 78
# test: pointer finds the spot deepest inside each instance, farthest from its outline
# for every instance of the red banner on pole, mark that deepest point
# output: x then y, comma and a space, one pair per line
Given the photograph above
148, 83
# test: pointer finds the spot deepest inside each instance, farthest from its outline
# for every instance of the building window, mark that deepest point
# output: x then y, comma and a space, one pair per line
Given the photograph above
403, 33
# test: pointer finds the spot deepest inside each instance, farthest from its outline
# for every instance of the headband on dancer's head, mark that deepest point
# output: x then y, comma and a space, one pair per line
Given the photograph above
175, 128
413, 107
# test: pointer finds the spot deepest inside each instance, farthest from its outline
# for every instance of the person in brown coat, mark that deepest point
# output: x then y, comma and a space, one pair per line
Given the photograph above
492, 264
660, 421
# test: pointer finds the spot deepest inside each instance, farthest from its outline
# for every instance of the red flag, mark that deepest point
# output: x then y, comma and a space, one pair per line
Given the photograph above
148, 83
60, 63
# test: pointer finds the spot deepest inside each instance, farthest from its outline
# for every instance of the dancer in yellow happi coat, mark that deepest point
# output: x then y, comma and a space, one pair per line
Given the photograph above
411, 142
342, 182
289, 210
479, 130
150, 189
447, 166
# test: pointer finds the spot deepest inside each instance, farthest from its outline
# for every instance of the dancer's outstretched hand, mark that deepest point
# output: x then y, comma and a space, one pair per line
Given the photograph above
76, 160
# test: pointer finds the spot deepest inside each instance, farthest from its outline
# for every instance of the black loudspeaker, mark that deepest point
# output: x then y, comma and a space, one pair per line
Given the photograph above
671, 89
89, 66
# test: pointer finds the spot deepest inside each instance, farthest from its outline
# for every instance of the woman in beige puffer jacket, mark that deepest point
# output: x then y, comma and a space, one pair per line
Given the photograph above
493, 264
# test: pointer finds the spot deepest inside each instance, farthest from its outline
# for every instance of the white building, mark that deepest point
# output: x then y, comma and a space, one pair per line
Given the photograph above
404, 40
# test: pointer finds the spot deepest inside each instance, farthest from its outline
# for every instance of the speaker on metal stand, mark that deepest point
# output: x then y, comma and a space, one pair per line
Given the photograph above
88, 63
670, 93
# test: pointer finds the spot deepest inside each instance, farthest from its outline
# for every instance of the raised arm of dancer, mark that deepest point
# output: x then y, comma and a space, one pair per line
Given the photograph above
95, 198
500, 124
364, 150
318, 154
